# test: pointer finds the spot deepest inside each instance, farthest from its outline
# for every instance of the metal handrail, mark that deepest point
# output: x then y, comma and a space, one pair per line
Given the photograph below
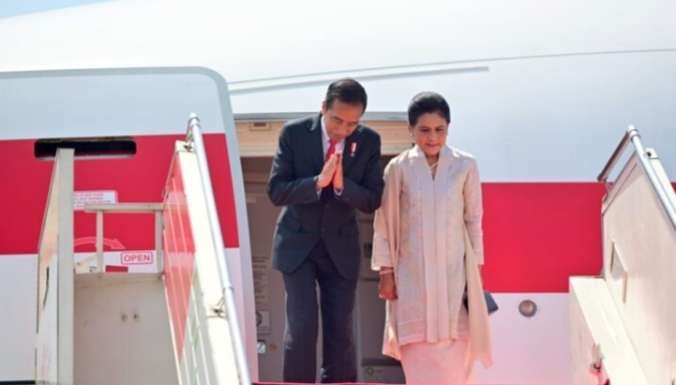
127, 208
196, 142
646, 157
603, 176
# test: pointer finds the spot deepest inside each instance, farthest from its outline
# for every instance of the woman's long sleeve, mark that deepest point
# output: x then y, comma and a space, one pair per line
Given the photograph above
473, 211
386, 221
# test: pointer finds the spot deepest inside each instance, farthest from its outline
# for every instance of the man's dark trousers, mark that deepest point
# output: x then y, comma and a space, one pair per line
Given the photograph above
337, 295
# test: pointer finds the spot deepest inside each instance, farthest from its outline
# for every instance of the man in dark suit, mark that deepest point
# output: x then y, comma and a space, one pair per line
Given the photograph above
326, 166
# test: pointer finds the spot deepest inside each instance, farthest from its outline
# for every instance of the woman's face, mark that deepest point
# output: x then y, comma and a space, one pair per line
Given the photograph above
430, 133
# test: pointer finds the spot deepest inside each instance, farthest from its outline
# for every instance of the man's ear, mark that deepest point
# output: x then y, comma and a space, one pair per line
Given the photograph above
324, 107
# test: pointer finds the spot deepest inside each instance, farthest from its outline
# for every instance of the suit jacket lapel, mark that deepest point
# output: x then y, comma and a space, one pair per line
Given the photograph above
316, 146
351, 143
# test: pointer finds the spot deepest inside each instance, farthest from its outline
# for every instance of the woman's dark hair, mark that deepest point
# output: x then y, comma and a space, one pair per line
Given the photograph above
428, 102
347, 91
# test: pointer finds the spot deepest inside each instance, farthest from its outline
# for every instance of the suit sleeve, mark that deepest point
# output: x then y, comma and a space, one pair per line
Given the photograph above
365, 196
284, 188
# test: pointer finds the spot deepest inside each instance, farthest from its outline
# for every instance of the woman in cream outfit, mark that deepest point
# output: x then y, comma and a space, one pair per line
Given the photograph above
428, 248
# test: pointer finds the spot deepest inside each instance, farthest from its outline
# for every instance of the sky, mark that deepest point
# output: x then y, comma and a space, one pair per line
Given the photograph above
9, 8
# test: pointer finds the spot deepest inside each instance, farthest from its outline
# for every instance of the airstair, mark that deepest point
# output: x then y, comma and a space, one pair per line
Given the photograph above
623, 323
101, 321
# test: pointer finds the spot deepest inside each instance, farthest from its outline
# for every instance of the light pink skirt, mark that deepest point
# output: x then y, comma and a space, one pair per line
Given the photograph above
441, 363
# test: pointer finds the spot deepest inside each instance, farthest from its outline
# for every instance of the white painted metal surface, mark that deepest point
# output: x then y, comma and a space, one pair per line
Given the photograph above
122, 330
639, 250
212, 340
598, 337
529, 350
17, 351
115, 102
233, 314
54, 360
623, 323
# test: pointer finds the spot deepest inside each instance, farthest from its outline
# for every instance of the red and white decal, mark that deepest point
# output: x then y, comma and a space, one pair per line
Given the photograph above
137, 257
93, 197
128, 261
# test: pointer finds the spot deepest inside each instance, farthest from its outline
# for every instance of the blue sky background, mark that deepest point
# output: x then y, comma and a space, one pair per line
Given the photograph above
9, 8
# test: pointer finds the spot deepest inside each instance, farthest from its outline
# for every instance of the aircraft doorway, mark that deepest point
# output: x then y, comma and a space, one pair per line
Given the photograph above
258, 136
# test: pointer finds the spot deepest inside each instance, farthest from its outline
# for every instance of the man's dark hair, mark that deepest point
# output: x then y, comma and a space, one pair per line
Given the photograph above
347, 91
428, 102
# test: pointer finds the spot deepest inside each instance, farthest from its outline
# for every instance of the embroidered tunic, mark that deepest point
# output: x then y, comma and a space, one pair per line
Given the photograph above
419, 231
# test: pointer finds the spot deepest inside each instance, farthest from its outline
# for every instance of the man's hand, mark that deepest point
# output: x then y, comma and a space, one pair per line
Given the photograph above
328, 171
338, 176
387, 289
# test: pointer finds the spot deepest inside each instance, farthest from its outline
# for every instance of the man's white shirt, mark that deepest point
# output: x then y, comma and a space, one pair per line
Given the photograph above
325, 140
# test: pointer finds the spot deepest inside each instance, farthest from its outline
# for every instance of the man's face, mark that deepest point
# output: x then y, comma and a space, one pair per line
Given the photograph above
341, 119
